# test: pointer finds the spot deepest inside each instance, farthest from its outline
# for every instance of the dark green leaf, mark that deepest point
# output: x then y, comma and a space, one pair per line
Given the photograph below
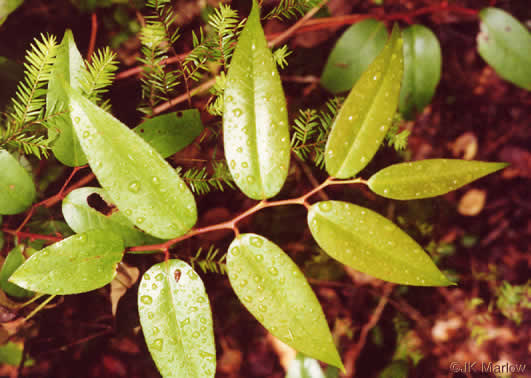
78, 264
14, 259
176, 320
352, 54
141, 183
366, 115
304, 367
17, 190
255, 119
506, 45
68, 68
10, 74
428, 178
170, 133
396, 369
422, 69
81, 216
366, 241
275, 291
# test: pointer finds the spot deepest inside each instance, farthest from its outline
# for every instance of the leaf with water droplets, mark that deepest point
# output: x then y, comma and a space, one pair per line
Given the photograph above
79, 211
14, 259
366, 115
304, 367
366, 241
506, 45
354, 51
177, 321
428, 178
17, 190
255, 119
68, 68
170, 133
141, 183
77, 264
422, 69
275, 291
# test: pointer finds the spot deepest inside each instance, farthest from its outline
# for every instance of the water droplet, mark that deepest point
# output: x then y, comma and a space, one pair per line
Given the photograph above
157, 345
244, 164
147, 276
140, 220
253, 47
182, 186
237, 112
239, 149
272, 73
235, 251
385, 191
151, 315
250, 179
229, 98
350, 118
86, 134
247, 299
236, 176
155, 330
146, 299
376, 76
195, 334
232, 164
325, 206
243, 283
273, 271
262, 308
155, 180
154, 286
77, 119
201, 299
192, 275
134, 186
256, 241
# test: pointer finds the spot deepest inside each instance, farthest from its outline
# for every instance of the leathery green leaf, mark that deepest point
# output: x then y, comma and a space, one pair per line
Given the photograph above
81, 217
17, 190
274, 290
352, 54
77, 264
14, 259
177, 321
68, 68
428, 178
366, 115
366, 241
422, 69
170, 133
141, 183
255, 119
506, 45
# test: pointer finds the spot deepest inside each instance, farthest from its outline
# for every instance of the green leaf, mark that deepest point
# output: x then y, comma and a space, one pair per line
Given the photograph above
68, 68
141, 183
366, 115
77, 264
304, 367
255, 119
506, 45
81, 217
352, 54
170, 133
177, 321
428, 178
14, 259
396, 369
275, 291
366, 241
422, 69
7, 7
17, 190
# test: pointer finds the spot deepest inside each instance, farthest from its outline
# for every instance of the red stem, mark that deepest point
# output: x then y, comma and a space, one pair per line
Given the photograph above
93, 34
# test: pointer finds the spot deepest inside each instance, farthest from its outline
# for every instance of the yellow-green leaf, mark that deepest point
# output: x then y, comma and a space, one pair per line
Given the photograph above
428, 178
255, 120
366, 115
275, 291
141, 183
14, 259
68, 68
366, 241
77, 264
17, 190
506, 45
177, 321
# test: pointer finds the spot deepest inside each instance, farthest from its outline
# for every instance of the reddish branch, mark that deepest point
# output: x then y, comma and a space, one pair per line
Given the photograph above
93, 34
